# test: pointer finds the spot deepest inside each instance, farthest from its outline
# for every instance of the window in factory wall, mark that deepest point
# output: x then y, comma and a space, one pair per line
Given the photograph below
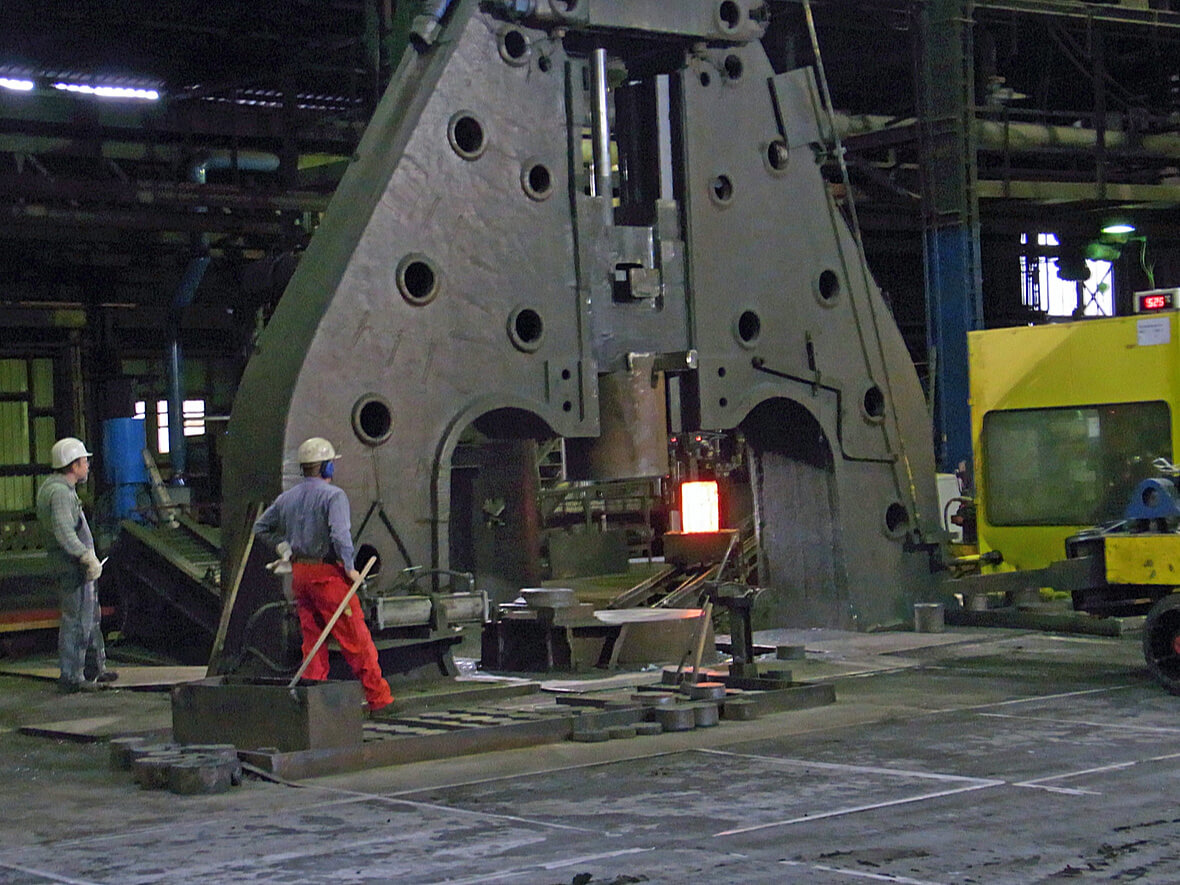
194, 420
1046, 291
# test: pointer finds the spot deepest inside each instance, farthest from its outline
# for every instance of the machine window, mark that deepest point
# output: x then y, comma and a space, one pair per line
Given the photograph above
1073, 466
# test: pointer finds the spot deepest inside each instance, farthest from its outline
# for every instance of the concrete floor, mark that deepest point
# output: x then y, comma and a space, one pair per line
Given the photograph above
965, 757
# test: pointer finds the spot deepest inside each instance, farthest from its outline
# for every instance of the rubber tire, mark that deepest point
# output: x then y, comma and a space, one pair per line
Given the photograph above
1160, 629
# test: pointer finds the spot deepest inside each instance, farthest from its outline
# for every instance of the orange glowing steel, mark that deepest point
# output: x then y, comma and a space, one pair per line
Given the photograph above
699, 507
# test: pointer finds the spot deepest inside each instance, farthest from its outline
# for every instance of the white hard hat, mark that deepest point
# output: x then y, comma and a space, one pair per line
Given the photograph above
66, 451
316, 449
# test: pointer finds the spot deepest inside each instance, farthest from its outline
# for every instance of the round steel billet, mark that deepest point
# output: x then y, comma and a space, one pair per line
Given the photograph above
220, 757
588, 722
790, 652
590, 735
678, 718
739, 709
704, 691
195, 776
705, 715
228, 752
120, 752
622, 732
151, 772
548, 597
929, 617
647, 729
654, 699
140, 750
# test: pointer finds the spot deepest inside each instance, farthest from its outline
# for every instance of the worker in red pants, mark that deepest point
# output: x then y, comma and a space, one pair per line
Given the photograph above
310, 525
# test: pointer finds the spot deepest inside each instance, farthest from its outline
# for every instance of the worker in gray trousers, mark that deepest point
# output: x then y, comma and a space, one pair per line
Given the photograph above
74, 567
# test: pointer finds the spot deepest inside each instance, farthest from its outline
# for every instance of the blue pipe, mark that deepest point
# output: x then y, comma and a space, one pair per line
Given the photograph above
253, 161
193, 274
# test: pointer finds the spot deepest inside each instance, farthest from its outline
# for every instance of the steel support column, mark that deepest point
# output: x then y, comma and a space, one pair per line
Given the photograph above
950, 218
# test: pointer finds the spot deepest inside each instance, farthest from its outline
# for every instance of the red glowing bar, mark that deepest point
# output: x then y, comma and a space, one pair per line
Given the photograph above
700, 507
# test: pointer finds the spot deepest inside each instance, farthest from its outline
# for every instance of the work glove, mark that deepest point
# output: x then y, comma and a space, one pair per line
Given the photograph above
90, 565
282, 565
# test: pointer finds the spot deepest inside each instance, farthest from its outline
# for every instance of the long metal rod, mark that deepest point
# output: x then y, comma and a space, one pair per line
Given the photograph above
702, 632
332, 622
600, 132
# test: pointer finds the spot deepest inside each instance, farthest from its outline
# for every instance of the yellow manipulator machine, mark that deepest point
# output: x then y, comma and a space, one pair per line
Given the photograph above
1074, 440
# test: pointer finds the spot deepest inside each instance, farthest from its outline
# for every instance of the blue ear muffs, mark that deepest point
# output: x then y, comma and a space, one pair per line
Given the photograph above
328, 469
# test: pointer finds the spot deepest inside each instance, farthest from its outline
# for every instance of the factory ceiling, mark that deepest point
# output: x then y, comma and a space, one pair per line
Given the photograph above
105, 200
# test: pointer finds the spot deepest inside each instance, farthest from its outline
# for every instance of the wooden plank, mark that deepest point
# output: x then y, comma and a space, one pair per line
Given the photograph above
231, 597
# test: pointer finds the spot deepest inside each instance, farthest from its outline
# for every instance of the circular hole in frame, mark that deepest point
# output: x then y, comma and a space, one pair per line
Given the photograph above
526, 329
729, 15
827, 287
514, 47
417, 279
874, 403
748, 327
372, 419
777, 156
466, 134
897, 518
721, 189
537, 180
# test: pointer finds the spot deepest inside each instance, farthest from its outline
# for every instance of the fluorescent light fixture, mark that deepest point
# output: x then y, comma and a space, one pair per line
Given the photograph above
109, 91
1119, 227
16, 85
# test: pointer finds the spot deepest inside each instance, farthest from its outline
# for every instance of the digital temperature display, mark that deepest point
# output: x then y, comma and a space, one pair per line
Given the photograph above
1155, 300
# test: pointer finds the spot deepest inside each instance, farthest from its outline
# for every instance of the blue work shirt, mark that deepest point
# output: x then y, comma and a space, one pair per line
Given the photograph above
314, 518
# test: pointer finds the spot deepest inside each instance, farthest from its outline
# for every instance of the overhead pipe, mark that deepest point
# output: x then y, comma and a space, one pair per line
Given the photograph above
190, 280
1014, 136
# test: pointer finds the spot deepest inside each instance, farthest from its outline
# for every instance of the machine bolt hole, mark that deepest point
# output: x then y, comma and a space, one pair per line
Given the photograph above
544, 64
565, 375
721, 371
749, 327
525, 328
567, 406
723, 402
536, 180
828, 286
777, 155
874, 403
466, 135
514, 46
729, 14
733, 67
417, 279
897, 518
705, 78
722, 188
372, 419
